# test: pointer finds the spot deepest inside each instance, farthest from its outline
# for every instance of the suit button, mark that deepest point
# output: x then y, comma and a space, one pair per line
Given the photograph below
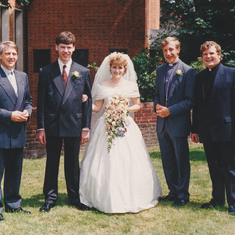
74, 103
71, 114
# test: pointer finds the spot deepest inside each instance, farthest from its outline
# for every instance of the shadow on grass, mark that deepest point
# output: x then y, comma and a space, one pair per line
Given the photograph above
39, 199
194, 206
194, 155
197, 155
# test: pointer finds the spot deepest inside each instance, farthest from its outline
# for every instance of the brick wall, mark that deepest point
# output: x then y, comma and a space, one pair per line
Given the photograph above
146, 120
99, 26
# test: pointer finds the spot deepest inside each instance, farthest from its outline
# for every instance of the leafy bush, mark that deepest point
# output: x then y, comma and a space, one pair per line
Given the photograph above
145, 67
198, 65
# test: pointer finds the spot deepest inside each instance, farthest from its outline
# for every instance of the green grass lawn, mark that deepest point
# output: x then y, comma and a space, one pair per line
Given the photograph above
162, 219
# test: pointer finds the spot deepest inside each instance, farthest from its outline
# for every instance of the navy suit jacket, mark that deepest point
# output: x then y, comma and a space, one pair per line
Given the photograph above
13, 134
180, 99
60, 110
216, 116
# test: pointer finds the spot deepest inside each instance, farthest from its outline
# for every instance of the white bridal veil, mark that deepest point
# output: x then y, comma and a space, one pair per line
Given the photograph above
104, 74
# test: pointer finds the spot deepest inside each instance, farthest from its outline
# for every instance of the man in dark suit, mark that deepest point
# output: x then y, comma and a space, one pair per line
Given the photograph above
61, 116
174, 97
15, 109
214, 123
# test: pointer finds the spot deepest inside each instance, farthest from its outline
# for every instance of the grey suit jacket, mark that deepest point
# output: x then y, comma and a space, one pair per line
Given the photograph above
180, 99
13, 134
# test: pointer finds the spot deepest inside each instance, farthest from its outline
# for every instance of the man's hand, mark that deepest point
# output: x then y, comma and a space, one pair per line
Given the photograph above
85, 136
18, 116
84, 97
194, 138
162, 111
42, 137
26, 113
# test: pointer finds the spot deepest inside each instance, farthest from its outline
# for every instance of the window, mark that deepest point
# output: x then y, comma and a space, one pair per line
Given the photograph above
41, 58
18, 37
81, 56
5, 24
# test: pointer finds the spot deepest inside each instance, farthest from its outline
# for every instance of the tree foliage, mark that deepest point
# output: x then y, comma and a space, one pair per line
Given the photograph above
193, 22
145, 67
197, 21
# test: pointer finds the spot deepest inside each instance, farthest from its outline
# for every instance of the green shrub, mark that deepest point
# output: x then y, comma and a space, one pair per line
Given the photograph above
145, 67
198, 65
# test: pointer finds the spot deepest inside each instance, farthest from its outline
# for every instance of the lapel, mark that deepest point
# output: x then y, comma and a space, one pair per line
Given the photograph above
20, 85
6, 85
176, 79
70, 83
57, 78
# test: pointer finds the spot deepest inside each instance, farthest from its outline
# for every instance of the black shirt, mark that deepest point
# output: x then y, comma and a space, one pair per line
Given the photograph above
209, 80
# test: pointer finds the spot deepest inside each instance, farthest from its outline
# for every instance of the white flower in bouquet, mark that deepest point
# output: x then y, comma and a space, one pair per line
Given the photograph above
115, 115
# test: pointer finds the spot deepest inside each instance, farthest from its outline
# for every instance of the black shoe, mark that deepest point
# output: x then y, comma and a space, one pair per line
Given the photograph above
167, 198
210, 204
1, 218
180, 202
231, 211
18, 210
83, 207
46, 207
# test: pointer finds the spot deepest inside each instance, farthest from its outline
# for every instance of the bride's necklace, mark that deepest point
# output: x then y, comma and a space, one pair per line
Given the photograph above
115, 84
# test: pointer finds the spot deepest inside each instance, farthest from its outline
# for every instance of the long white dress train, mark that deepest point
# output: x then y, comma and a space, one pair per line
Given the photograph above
123, 180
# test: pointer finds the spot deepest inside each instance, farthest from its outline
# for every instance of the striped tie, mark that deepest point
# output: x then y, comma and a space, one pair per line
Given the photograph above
65, 77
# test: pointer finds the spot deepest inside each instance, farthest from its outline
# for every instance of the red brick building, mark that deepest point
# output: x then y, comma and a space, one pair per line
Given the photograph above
100, 27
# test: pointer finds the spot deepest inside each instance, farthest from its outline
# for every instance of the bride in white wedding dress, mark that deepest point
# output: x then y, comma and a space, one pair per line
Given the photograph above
123, 179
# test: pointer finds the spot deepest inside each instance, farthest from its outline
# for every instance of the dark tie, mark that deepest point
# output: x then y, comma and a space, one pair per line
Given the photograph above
65, 77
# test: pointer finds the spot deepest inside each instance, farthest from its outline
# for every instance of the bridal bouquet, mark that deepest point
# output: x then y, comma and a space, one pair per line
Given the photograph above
116, 112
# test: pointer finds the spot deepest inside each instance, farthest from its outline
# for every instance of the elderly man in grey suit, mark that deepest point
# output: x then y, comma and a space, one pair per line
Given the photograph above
174, 97
15, 109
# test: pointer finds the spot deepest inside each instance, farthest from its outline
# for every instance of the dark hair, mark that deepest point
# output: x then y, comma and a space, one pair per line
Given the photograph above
65, 37
9, 44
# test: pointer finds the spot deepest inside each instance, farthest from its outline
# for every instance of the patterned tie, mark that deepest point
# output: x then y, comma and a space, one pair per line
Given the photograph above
65, 77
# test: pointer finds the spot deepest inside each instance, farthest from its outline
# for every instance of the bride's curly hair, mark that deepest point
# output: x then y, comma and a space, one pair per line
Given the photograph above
119, 58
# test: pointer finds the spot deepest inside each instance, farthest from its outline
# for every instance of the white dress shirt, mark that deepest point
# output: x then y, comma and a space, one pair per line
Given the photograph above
68, 66
11, 77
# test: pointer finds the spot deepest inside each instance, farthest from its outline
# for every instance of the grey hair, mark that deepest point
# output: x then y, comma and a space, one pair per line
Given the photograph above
8, 43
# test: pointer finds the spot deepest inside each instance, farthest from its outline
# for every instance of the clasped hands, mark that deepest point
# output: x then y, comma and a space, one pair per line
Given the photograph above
18, 116
162, 111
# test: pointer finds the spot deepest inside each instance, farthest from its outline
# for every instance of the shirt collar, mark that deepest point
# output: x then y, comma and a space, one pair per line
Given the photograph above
174, 63
214, 69
7, 71
68, 65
